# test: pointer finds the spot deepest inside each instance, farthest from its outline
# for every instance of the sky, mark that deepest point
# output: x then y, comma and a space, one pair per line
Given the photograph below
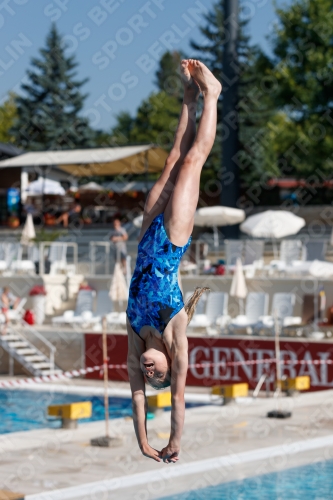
117, 43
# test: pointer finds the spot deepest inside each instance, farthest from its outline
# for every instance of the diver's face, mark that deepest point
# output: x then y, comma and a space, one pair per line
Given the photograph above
154, 365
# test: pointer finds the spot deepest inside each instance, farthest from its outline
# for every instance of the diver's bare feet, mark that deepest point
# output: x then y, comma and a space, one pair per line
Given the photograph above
207, 82
190, 85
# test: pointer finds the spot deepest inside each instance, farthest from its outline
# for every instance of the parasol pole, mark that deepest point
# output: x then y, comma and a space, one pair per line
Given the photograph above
107, 440
275, 248
105, 370
216, 237
278, 413
315, 305
277, 354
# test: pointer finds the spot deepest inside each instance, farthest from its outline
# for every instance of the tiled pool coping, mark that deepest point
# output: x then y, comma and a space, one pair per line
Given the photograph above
197, 467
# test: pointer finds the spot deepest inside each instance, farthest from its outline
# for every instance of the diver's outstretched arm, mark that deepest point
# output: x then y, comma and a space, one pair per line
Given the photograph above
139, 403
179, 365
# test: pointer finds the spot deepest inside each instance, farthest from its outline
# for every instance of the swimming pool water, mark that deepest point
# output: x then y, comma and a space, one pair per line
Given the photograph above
310, 482
22, 410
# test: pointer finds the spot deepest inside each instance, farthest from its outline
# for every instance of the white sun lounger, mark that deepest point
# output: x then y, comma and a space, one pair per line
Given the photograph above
83, 313
215, 312
282, 311
256, 307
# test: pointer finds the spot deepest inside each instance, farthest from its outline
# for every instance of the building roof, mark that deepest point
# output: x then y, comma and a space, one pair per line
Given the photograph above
98, 161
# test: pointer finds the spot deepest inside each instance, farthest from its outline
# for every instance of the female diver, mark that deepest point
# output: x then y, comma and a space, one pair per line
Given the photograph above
156, 317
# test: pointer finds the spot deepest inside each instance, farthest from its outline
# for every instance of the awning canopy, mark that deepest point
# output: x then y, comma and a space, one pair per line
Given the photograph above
127, 160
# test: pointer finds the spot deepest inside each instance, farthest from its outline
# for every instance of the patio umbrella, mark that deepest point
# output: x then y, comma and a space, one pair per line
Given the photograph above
218, 216
118, 288
272, 224
321, 269
138, 221
28, 233
238, 285
45, 186
91, 186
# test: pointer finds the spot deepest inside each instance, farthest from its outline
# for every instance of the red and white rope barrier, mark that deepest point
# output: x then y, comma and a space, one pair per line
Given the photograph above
54, 378
264, 361
83, 371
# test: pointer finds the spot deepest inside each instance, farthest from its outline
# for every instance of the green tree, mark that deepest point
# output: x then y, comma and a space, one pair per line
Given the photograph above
8, 115
167, 74
303, 51
157, 116
121, 133
156, 120
49, 109
255, 107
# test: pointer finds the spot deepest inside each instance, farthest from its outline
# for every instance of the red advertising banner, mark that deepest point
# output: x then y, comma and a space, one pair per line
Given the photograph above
230, 359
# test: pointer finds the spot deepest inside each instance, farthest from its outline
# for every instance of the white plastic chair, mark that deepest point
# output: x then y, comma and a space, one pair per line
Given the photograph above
315, 250
104, 304
13, 252
256, 307
282, 310
216, 312
116, 319
23, 267
291, 251
17, 314
233, 251
84, 305
254, 257
13, 314
3, 262
33, 253
58, 258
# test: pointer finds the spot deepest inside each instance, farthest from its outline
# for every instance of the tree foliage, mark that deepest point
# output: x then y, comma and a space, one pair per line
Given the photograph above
157, 116
167, 74
285, 103
303, 58
8, 114
49, 109
255, 104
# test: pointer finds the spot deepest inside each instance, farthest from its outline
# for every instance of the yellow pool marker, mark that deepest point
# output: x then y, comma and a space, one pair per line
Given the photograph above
71, 412
241, 424
158, 402
10, 495
162, 400
296, 384
231, 391
163, 435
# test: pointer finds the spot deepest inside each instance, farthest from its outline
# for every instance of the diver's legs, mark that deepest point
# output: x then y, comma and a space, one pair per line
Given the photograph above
179, 212
184, 137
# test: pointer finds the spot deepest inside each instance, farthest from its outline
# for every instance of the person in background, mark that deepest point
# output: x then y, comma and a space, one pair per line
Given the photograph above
8, 301
71, 216
119, 237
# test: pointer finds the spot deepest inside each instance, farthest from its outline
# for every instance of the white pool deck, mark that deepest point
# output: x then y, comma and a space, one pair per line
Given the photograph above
220, 443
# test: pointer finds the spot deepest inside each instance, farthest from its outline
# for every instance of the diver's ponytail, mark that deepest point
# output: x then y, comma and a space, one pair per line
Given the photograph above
191, 303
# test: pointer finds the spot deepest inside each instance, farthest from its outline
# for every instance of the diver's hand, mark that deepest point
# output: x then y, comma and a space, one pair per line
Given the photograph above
170, 454
150, 452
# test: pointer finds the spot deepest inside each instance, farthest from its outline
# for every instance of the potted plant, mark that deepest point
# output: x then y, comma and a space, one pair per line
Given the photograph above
49, 219
13, 221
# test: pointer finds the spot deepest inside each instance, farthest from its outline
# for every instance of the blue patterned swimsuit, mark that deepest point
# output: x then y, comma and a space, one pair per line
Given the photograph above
154, 294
